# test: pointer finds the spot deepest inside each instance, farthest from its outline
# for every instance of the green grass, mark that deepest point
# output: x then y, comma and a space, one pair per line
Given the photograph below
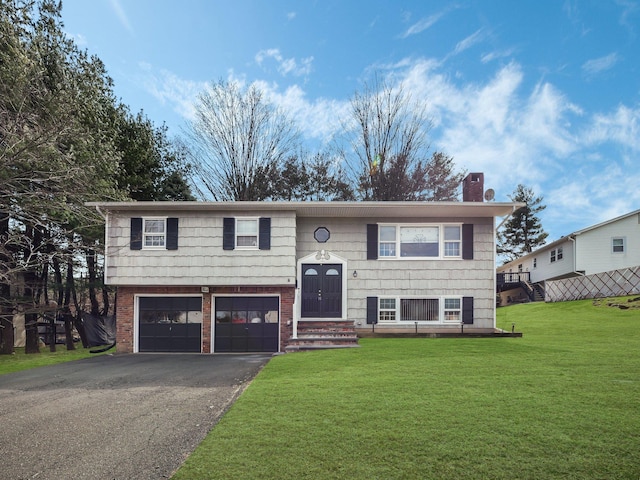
560, 402
21, 361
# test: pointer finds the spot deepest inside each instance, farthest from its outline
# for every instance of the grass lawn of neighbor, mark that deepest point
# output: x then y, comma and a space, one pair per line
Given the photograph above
21, 361
561, 402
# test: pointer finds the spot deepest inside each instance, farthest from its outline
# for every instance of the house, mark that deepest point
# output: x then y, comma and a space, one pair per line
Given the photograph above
607, 246
275, 276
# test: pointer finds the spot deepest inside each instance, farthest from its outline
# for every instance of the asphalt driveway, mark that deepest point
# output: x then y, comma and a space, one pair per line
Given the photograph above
115, 416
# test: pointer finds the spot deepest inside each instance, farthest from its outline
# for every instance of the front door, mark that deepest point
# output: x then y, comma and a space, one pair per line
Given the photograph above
321, 291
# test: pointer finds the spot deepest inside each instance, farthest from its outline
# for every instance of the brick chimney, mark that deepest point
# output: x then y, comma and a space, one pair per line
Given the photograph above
473, 188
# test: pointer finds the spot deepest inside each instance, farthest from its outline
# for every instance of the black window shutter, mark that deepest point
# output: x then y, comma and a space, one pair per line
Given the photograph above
172, 233
228, 233
135, 242
467, 310
265, 233
372, 241
467, 241
372, 310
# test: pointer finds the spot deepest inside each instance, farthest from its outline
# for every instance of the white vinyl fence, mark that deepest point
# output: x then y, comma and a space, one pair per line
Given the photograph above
607, 284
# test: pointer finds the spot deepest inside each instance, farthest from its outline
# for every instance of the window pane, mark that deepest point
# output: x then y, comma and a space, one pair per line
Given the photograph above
247, 226
154, 226
388, 303
387, 234
154, 240
388, 249
450, 303
419, 241
452, 249
247, 241
419, 309
452, 233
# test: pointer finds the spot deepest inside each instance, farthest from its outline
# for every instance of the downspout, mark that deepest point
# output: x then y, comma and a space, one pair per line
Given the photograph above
105, 216
495, 244
575, 256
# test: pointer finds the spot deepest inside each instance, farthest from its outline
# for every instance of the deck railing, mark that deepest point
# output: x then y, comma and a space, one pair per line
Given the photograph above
511, 278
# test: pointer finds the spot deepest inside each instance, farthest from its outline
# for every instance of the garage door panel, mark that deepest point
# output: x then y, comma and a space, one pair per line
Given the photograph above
170, 324
246, 324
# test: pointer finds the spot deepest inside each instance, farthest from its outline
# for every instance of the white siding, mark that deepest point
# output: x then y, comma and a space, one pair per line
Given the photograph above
594, 252
457, 277
546, 269
200, 259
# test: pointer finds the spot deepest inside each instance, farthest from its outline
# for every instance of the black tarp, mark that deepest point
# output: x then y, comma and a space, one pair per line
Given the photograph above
99, 330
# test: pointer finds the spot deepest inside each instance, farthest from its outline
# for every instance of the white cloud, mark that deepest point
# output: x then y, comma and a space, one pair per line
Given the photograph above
470, 41
285, 66
167, 87
601, 64
621, 126
122, 15
422, 25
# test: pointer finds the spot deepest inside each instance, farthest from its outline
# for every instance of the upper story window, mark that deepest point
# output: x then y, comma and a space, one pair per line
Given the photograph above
617, 245
560, 254
556, 254
154, 232
419, 241
246, 233
535, 262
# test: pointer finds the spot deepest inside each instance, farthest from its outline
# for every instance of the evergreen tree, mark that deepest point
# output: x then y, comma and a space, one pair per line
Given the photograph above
523, 232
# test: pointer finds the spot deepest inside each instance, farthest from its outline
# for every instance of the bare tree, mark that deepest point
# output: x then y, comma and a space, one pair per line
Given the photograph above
389, 141
238, 142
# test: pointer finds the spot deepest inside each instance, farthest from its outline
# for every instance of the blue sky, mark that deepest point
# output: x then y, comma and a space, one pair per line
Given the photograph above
540, 92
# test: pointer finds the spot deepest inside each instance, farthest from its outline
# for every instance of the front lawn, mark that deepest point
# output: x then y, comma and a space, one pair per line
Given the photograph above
560, 402
21, 361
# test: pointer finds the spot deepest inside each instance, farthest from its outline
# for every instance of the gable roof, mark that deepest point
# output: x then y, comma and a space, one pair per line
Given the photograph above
327, 209
571, 236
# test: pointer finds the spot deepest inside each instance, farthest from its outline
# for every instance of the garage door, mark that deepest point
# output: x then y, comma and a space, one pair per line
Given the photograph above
246, 324
170, 324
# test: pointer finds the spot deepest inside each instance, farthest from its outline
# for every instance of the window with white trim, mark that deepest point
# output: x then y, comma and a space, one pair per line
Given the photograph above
420, 241
154, 232
387, 310
433, 309
246, 233
452, 310
560, 255
617, 245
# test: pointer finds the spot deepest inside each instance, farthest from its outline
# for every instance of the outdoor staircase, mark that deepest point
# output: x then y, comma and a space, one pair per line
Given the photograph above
318, 335
535, 291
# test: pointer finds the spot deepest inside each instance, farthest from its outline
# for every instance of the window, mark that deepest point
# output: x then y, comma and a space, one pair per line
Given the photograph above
387, 310
535, 263
419, 309
395, 310
387, 241
552, 256
452, 309
420, 241
559, 253
247, 232
153, 232
452, 241
617, 245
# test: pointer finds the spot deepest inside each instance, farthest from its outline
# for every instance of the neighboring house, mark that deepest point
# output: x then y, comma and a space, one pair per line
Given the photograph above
269, 276
610, 245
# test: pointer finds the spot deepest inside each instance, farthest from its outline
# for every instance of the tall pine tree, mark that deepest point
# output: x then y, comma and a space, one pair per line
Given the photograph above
523, 232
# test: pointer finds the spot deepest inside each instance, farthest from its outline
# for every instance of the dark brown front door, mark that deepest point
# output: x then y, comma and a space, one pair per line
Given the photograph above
321, 291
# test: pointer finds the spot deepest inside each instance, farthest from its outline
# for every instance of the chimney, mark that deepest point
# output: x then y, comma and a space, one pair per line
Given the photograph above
473, 187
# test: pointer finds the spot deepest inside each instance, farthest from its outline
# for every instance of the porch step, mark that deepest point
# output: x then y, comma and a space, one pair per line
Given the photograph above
323, 335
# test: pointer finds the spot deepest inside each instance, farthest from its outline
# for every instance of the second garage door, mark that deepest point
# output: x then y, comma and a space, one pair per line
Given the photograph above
246, 324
